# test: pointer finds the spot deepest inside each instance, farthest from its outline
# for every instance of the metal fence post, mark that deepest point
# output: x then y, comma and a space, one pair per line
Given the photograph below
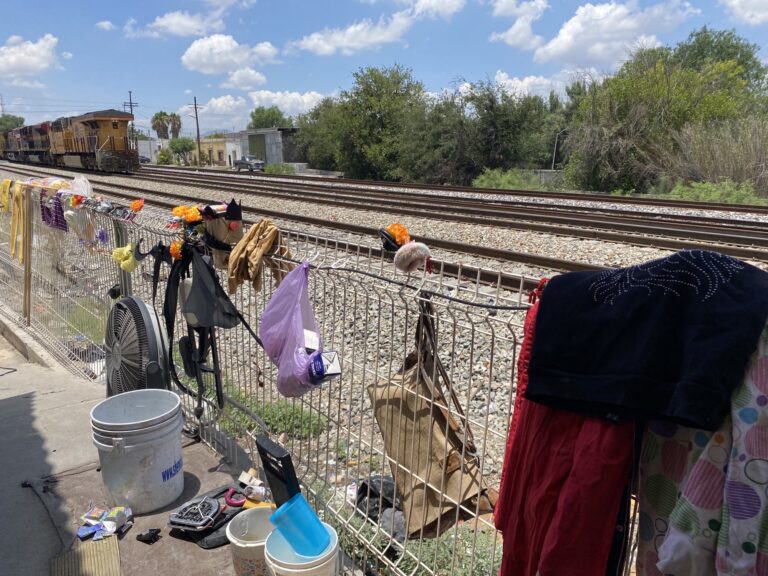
121, 239
27, 247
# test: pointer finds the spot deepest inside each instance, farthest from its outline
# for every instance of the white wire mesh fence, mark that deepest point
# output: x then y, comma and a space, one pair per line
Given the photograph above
367, 312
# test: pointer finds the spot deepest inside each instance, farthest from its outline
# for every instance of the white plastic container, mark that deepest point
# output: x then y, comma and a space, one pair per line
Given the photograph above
247, 533
282, 559
138, 437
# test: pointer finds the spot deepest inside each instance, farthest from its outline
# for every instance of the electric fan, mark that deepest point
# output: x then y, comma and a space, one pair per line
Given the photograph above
136, 348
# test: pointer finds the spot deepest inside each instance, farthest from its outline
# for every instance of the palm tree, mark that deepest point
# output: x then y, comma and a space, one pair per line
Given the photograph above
174, 120
160, 124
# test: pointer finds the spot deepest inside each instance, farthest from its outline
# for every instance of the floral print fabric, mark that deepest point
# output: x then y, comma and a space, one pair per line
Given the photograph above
703, 494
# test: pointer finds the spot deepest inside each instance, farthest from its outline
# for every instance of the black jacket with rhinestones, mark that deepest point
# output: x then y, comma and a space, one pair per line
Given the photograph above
666, 340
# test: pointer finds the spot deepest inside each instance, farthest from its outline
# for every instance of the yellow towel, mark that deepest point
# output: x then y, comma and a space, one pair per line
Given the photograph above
17, 222
5, 189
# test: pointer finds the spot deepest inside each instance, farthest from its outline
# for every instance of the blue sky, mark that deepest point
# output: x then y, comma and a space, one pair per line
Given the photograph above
65, 58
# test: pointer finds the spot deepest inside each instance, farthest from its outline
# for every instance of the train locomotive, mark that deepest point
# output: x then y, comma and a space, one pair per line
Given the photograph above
94, 141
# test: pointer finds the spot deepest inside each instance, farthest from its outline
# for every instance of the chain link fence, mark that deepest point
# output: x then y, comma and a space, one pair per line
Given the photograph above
367, 312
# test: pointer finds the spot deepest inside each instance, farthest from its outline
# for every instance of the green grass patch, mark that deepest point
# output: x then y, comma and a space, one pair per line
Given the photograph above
725, 192
449, 555
281, 416
279, 169
514, 180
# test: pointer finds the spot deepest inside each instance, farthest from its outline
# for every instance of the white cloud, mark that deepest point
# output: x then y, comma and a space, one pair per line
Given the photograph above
67, 55
290, 103
220, 53
21, 58
438, 8
359, 36
752, 12
105, 25
181, 23
531, 85
520, 34
244, 79
601, 34
25, 83
532, 9
220, 113
187, 91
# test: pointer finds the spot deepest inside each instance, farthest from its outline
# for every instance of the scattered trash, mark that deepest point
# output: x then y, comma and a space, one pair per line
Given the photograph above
102, 522
150, 536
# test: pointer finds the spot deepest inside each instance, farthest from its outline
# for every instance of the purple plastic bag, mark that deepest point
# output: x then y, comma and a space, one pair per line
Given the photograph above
287, 315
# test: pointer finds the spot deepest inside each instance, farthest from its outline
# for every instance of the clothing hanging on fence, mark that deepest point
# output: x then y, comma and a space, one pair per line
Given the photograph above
51, 209
703, 494
557, 463
666, 340
248, 256
5, 193
17, 222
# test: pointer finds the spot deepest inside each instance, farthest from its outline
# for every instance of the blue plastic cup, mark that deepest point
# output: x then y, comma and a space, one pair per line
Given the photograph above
301, 527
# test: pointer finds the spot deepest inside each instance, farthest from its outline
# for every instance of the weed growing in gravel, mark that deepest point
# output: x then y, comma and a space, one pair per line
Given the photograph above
280, 416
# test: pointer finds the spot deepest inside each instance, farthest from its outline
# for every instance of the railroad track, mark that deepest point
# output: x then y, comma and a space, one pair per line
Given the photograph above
512, 282
738, 238
408, 188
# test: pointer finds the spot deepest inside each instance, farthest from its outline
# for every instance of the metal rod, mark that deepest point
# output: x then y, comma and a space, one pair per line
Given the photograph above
27, 254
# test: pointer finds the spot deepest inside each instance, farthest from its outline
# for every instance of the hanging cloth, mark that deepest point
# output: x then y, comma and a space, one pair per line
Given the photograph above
51, 209
248, 256
5, 193
665, 340
703, 500
17, 222
563, 483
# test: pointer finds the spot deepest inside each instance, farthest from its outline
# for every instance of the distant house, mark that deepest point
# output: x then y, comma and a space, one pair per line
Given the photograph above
219, 151
273, 145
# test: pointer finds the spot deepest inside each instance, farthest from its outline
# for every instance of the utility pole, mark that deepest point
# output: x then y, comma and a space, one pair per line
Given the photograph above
131, 104
197, 125
2, 106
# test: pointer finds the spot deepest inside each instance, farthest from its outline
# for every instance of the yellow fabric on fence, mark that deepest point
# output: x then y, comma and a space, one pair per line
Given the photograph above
247, 257
17, 222
5, 189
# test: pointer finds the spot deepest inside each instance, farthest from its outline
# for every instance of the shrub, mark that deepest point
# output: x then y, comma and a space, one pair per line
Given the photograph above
165, 157
726, 192
279, 169
509, 180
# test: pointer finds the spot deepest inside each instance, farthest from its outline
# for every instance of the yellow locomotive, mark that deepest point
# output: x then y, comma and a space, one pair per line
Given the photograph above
95, 141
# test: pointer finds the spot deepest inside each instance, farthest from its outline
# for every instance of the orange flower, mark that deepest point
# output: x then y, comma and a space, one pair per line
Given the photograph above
137, 205
77, 200
193, 215
399, 233
179, 211
176, 249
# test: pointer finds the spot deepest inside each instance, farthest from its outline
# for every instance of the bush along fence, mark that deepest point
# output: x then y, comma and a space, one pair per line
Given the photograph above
401, 453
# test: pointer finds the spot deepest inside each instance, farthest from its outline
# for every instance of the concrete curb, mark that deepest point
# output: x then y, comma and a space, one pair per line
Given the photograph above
24, 343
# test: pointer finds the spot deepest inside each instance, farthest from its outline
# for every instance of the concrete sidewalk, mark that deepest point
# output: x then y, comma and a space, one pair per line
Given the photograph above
45, 430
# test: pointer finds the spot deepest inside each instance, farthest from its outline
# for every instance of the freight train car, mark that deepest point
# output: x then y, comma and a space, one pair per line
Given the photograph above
95, 141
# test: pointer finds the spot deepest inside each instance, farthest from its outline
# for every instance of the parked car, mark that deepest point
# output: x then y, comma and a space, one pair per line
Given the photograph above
144, 160
250, 163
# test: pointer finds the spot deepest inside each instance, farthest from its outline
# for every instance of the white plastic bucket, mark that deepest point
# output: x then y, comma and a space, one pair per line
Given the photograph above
283, 560
247, 533
138, 437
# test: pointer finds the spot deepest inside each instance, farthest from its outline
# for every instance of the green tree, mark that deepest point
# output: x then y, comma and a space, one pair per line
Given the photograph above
160, 122
181, 147
318, 136
9, 122
271, 117
174, 124
164, 157
374, 113
622, 135
705, 46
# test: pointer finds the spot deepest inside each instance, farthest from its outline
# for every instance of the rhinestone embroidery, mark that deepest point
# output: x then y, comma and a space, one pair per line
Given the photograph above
699, 271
